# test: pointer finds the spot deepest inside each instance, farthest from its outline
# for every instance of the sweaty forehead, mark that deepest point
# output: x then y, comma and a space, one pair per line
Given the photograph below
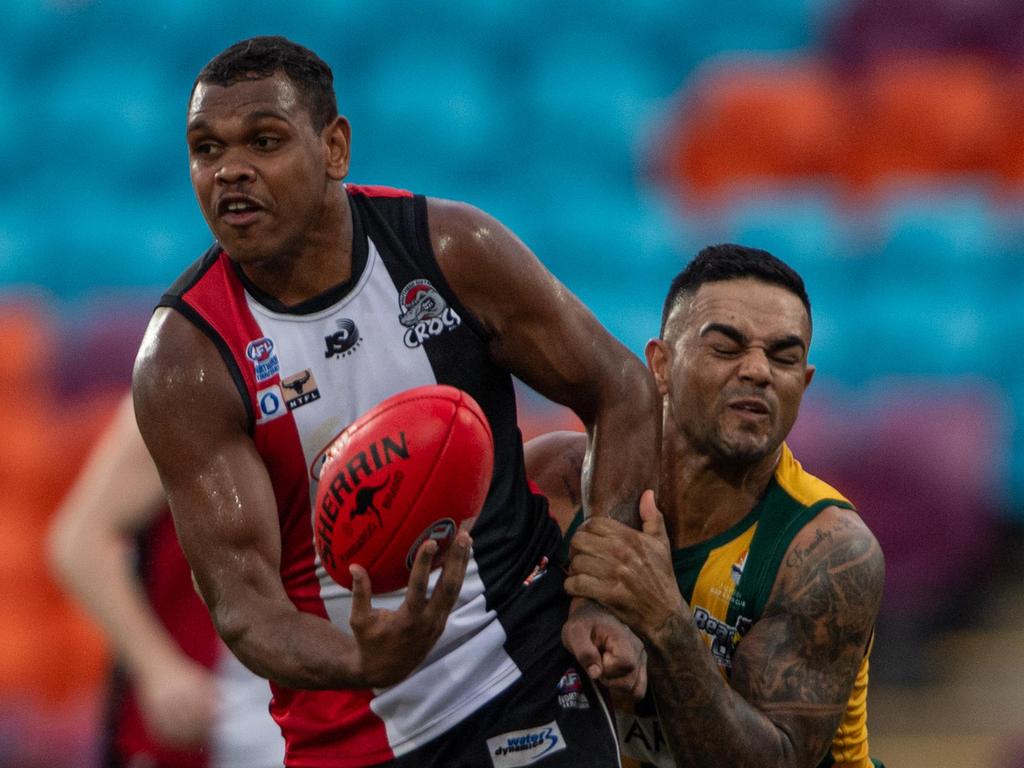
275, 95
754, 307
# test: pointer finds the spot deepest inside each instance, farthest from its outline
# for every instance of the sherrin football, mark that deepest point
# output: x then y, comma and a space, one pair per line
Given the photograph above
413, 467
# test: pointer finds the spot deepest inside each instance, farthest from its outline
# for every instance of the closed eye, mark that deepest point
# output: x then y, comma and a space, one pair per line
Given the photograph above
726, 351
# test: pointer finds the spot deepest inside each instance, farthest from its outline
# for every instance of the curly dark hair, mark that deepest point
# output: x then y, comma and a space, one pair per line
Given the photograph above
260, 57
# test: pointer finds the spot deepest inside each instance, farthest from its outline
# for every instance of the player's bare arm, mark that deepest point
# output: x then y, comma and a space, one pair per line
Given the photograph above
792, 673
544, 335
815, 631
195, 426
554, 462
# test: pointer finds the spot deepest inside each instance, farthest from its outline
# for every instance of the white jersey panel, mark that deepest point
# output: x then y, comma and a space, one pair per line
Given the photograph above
336, 364
245, 735
355, 356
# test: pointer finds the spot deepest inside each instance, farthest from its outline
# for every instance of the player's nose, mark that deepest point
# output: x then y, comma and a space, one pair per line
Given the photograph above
234, 170
755, 367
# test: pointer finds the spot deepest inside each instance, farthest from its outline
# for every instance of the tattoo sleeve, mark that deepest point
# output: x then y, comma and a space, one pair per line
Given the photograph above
792, 673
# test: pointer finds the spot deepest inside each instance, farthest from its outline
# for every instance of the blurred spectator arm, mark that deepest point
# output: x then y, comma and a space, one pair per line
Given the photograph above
91, 550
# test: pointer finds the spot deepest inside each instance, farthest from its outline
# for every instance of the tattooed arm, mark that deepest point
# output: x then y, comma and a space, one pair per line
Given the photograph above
792, 672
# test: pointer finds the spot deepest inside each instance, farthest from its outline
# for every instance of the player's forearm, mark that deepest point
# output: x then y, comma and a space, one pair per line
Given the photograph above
625, 445
294, 649
705, 721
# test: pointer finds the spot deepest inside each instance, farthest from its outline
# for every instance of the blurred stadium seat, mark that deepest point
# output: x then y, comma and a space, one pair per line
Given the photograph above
924, 115
754, 121
925, 464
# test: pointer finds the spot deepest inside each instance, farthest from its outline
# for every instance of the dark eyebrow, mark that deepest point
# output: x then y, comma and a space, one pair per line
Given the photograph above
263, 114
199, 124
791, 340
785, 342
726, 330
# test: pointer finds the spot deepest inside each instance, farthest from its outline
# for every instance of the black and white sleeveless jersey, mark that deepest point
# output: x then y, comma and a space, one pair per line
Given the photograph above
304, 373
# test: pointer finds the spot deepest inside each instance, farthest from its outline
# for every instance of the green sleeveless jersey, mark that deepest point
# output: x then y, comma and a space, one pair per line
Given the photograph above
727, 580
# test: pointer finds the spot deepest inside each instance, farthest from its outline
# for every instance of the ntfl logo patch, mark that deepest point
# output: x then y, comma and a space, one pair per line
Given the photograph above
300, 389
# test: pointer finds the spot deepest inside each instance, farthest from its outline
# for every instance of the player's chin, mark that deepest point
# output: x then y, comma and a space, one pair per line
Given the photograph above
243, 250
746, 447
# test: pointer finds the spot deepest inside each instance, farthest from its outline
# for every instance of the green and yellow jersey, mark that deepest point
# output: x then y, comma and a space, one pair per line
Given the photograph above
727, 581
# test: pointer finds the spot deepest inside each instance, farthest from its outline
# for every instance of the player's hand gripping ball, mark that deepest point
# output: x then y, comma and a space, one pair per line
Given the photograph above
413, 467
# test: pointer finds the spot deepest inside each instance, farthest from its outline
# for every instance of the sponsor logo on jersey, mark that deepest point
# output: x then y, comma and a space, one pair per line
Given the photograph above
525, 747
344, 341
570, 691
424, 313
721, 636
642, 739
538, 571
443, 532
270, 404
737, 568
261, 352
300, 389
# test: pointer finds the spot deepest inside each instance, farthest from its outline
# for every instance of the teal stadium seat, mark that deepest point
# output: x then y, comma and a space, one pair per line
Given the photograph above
119, 122
946, 235
108, 241
593, 98
437, 118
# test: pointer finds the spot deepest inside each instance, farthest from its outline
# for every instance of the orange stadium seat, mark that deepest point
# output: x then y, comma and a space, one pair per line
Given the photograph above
26, 357
48, 650
925, 116
755, 119
1011, 156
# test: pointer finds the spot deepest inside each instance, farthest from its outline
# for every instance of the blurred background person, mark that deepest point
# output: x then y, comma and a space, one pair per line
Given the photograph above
177, 698
877, 147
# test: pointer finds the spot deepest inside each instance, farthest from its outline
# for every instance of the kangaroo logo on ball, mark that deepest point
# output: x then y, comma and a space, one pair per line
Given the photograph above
365, 501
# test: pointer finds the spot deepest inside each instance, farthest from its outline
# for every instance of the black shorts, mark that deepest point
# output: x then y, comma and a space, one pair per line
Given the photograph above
553, 717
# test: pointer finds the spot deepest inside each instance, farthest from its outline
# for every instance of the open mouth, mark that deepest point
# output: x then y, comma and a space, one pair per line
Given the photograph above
751, 406
238, 210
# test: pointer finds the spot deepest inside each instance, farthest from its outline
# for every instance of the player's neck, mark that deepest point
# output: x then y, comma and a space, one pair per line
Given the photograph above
320, 262
701, 498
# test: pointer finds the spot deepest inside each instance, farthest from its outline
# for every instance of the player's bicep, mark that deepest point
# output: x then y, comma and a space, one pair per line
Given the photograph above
192, 419
538, 329
798, 663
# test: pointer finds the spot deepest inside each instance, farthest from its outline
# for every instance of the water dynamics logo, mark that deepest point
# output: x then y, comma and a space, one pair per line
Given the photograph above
525, 747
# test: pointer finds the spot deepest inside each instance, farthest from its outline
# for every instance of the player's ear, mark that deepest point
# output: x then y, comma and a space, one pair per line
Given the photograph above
337, 142
808, 375
658, 355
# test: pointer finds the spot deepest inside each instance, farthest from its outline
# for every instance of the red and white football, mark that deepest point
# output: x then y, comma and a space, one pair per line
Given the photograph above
412, 467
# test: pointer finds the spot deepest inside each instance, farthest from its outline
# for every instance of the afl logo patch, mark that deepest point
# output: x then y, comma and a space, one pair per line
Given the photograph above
424, 313
261, 352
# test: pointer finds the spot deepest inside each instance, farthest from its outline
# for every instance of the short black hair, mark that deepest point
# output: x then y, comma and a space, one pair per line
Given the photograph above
261, 57
729, 261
